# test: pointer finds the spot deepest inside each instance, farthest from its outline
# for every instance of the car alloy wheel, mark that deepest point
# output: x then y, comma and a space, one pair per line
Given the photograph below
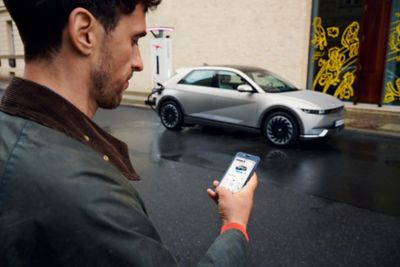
171, 115
281, 129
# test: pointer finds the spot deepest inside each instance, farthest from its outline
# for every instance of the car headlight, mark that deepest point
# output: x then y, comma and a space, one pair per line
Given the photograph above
314, 111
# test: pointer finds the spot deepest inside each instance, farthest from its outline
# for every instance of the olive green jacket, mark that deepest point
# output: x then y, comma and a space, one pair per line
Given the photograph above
62, 204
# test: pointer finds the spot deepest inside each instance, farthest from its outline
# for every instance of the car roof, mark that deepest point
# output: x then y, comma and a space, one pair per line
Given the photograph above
242, 68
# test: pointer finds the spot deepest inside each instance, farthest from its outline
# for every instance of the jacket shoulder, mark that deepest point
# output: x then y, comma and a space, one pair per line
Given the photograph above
11, 128
42, 154
59, 195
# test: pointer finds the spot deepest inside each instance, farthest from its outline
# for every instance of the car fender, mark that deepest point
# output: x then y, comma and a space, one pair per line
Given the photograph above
275, 108
169, 97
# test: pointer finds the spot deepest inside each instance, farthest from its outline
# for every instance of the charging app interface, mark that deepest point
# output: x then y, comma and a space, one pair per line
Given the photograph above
237, 174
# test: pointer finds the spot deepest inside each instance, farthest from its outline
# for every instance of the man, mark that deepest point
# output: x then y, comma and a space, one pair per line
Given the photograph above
65, 197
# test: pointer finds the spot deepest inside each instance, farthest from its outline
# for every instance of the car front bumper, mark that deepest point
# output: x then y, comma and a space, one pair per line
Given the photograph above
319, 126
322, 132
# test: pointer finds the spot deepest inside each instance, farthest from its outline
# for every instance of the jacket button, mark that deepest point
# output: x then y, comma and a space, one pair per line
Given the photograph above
106, 158
87, 139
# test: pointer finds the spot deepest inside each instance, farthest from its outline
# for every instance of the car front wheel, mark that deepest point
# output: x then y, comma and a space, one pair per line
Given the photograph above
281, 129
171, 115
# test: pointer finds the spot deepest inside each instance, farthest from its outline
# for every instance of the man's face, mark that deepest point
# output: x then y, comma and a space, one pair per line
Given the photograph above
118, 58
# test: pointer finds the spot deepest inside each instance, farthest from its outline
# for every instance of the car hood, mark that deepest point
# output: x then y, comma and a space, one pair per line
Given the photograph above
313, 99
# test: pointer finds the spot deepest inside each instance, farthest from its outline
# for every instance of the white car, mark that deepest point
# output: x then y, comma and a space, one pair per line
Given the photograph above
246, 98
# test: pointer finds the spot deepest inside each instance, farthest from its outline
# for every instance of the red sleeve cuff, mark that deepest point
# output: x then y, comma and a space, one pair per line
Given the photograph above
237, 227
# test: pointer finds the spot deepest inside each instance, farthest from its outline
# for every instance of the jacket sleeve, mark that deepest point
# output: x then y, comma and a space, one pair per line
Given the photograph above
66, 206
112, 225
229, 249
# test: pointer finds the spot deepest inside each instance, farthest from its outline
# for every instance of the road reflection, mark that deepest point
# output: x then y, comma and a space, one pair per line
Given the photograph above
360, 171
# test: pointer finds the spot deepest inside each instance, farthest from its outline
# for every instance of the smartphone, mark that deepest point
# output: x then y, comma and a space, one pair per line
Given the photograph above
240, 171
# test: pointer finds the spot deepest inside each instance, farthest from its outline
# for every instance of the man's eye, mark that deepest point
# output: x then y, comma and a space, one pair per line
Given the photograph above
135, 42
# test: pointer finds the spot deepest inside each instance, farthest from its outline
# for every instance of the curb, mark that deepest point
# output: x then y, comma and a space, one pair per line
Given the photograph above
373, 132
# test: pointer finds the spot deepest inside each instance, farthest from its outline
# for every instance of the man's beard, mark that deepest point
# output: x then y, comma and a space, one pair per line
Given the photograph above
104, 95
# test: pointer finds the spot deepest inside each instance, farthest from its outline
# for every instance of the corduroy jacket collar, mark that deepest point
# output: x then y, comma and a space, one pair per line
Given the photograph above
35, 102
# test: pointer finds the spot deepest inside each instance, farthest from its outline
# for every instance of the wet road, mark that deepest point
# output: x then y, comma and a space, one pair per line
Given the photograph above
331, 203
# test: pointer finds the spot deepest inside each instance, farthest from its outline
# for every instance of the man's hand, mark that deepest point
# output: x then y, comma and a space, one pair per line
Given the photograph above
234, 207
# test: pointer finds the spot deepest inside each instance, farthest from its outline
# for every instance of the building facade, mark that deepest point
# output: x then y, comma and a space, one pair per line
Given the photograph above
11, 48
346, 48
355, 50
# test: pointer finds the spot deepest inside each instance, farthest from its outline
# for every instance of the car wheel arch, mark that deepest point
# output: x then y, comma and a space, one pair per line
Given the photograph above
171, 115
170, 98
271, 110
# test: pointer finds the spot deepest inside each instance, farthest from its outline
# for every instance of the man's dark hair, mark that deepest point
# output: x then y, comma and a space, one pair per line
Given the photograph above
41, 22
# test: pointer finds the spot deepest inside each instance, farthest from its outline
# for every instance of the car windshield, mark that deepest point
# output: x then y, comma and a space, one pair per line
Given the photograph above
269, 82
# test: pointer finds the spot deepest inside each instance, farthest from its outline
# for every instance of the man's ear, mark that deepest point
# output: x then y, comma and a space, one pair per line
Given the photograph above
83, 30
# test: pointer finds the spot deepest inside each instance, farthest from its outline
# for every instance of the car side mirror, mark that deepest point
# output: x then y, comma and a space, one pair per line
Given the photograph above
245, 88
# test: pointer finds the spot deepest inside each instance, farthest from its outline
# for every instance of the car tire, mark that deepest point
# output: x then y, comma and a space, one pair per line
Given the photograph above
171, 115
280, 129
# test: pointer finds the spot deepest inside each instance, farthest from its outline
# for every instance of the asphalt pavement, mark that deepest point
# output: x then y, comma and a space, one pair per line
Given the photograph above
328, 203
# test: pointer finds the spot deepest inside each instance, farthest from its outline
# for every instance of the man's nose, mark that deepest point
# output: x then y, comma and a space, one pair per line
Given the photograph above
137, 62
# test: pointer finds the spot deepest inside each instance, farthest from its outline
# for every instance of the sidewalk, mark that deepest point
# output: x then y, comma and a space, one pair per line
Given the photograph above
371, 118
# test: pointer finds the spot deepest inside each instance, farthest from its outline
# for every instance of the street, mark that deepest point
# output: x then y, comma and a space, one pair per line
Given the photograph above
326, 203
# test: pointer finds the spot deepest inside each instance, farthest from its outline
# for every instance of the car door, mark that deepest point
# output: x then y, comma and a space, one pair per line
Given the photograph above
230, 105
195, 93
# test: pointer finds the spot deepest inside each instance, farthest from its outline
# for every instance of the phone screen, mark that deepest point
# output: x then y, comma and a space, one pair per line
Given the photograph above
238, 173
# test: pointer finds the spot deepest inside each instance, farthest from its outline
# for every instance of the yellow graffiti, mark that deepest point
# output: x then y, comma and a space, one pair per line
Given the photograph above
392, 94
319, 40
350, 39
394, 39
333, 32
335, 70
317, 55
330, 69
345, 90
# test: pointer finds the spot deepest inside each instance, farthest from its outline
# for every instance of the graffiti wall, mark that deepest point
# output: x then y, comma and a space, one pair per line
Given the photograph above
391, 92
336, 64
334, 47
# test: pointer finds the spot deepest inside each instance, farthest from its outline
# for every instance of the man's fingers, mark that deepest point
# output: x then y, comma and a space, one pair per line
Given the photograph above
252, 183
215, 183
222, 190
212, 194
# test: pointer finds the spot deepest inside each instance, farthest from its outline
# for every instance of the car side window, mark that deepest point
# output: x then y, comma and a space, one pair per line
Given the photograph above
229, 80
199, 77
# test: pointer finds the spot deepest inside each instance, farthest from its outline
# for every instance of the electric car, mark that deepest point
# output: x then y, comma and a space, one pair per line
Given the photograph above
246, 98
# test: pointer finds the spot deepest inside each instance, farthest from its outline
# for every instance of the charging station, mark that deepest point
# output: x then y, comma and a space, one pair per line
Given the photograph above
160, 54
